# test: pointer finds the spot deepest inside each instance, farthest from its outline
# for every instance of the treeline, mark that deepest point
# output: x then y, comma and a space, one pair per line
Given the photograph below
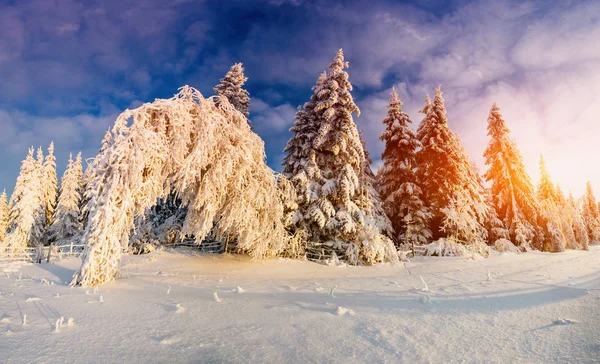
428, 191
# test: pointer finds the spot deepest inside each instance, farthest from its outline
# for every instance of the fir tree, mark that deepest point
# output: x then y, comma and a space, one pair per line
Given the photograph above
3, 216
579, 227
324, 162
512, 192
591, 215
50, 185
372, 202
67, 222
397, 180
554, 240
231, 87
26, 205
449, 185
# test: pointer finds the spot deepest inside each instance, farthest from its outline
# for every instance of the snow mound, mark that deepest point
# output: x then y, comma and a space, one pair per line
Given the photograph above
341, 311
504, 245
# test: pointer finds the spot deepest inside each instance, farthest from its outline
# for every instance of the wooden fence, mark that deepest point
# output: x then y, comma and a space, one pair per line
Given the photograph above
40, 253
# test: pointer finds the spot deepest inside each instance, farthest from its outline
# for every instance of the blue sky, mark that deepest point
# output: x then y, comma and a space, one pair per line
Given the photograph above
68, 68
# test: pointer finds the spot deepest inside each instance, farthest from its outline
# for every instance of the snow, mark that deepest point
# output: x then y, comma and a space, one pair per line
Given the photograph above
180, 305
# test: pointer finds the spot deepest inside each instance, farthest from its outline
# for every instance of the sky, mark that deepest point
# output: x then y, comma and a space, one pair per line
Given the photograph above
68, 68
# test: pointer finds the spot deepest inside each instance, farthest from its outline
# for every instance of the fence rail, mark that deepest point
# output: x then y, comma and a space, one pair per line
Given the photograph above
40, 253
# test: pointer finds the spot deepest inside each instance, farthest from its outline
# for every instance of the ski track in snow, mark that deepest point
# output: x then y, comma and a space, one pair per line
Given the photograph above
526, 308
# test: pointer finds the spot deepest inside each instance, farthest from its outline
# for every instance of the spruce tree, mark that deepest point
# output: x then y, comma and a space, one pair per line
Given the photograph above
591, 215
231, 87
26, 205
567, 216
66, 219
512, 192
372, 202
450, 187
50, 185
550, 219
3, 216
400, 192
324, 162
579, 227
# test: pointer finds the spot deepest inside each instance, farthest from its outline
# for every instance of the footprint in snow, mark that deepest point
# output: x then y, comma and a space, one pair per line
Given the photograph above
4, 319
179, 308
341, 311
561, 321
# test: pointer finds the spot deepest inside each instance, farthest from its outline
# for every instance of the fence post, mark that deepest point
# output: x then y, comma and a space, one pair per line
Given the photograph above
71, 250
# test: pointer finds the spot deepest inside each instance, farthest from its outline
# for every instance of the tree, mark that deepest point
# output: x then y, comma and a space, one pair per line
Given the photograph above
512, 192
579, 227
554, 240
50, 185
202, 151
400, 192
3, 216
66, 220
325, 163
231, 87
26, 205
449, 184
372, 202
591, 214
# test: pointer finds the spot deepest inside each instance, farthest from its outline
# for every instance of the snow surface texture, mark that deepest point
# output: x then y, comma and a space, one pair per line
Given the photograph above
510, 308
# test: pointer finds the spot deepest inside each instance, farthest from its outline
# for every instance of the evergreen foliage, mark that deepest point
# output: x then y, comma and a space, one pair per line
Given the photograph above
400, 192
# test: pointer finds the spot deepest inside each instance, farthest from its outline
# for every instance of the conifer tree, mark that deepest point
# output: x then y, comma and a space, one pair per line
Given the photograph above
50, 185
371, 201
567, 216
324, 162
26, 205
579, 227
231, 87
3, 216
400, 192
591, 214
550, 219
67, 222
450, 187
512, 192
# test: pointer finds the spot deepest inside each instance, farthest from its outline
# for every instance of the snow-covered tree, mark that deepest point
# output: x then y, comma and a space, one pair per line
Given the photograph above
324, 162
397, 179
579, 227
66, 220
199, 149
566, 219
449, 184
50, 185
512, 192
3, 216
371, 201
554, 239
231, 87
591, 214
26, 205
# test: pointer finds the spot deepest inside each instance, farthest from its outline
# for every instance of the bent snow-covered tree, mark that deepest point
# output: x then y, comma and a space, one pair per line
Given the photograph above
204, 152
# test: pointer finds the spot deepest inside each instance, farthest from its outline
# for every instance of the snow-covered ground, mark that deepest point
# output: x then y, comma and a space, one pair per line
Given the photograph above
180, 306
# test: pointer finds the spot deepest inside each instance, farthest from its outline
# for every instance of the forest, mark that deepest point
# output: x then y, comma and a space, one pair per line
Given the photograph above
191, 168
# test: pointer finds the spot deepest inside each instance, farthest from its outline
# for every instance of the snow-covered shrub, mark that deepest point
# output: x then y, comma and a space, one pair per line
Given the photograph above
448, 247
204, 152
504, 245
